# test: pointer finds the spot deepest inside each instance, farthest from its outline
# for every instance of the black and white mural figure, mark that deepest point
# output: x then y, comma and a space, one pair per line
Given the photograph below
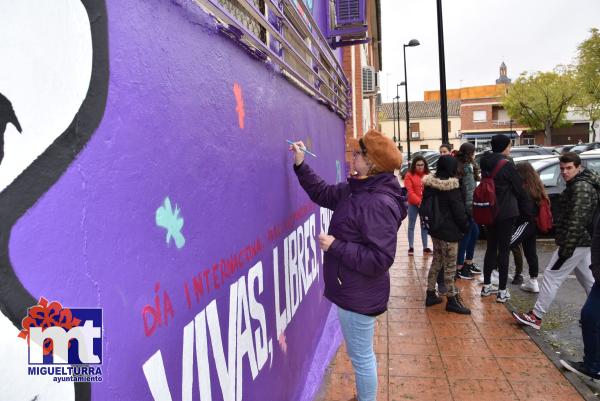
7, 116
53, 88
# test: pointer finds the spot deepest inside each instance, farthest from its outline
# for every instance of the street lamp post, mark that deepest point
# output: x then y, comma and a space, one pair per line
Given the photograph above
394, 118
412, 43
398, 108
443, 94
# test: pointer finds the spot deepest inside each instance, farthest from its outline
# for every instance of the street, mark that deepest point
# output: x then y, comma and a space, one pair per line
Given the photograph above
430, 354
560, 328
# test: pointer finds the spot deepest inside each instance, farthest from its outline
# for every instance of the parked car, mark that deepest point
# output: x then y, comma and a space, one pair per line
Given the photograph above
529, 150
552, 149
429, 157
423, 152
563, 149
532, 158
585, 147
549, 171
522, 152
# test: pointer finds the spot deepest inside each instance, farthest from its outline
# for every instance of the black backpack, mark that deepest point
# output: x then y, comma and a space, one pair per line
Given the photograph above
429, 211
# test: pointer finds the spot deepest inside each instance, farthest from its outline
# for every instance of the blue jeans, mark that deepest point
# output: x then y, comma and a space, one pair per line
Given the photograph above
358, 333
590, 329
467, 244
413, 212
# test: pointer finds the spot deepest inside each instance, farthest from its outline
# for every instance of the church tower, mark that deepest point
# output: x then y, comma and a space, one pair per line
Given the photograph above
503, 78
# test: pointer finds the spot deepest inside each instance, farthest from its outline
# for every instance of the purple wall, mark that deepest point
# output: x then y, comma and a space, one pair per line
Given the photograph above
171, 128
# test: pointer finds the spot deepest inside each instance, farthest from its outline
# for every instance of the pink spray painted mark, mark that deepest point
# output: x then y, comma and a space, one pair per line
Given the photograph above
239, 101
282, 343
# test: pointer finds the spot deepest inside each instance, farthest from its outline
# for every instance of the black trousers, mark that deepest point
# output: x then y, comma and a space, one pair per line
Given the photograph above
526, 234
498, 250
590, 329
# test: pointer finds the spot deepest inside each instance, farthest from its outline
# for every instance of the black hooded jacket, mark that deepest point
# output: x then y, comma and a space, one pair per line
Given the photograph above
510, 194
451, 202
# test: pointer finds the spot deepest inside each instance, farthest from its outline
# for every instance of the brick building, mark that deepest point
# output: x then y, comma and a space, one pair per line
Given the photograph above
361, 64
482, 116
481, 112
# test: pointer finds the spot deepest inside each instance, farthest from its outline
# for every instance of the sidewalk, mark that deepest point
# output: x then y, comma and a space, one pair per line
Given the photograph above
430, 354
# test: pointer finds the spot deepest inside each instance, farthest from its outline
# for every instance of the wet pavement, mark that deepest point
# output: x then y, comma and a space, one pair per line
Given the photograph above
560, 333
430, 354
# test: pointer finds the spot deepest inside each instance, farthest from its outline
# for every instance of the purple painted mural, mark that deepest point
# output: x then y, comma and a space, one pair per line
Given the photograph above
147, 174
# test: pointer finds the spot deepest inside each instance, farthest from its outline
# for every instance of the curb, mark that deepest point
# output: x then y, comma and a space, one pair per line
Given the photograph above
550, 353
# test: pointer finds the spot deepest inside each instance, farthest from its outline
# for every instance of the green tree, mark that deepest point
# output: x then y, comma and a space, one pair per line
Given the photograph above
540, 100
587, 73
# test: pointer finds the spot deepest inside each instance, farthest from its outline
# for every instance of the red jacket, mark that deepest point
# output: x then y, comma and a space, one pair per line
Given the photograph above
413, 184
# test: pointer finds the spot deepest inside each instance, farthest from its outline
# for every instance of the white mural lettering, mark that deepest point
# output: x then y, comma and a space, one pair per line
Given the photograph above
247, 345
299, 254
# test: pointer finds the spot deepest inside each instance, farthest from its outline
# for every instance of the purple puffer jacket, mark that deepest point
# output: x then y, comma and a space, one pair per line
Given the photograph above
367, 216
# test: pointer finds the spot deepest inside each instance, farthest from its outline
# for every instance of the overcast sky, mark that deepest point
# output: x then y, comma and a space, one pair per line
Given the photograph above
528, 35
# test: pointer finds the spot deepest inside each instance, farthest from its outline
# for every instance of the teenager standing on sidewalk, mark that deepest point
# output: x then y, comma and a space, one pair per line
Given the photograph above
360, 245
590, 321
451, 222
525, 232
468, 175
578, 202
445, 149
510, 198
414, 185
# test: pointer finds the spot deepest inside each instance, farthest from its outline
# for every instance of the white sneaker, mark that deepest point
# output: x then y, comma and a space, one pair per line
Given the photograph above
503, 296
531, 285
488, 290
495, 278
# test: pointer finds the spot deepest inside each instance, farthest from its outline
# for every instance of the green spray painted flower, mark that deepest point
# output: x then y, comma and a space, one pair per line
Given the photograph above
169, 219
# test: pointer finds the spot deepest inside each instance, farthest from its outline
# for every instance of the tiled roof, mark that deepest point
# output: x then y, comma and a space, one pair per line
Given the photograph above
420, 109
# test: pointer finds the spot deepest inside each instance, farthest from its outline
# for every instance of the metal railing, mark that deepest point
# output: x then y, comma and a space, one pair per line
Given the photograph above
276, 32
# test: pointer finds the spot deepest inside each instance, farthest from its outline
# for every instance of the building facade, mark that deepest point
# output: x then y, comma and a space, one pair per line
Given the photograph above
579, 129
425, 124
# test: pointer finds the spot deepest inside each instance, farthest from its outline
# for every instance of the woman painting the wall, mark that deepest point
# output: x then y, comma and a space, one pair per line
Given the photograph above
361, 244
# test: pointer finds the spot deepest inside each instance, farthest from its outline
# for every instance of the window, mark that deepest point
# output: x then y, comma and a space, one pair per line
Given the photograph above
424, 146
479, 116
449, 126
285, 35
414, 131
527, 141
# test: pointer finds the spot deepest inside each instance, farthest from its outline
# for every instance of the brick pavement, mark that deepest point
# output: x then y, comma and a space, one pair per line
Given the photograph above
430, 354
